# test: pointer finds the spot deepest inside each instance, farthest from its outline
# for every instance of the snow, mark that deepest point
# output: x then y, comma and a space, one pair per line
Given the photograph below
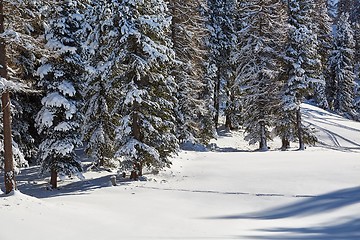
54, 99
67, 88
230, 192
44, 69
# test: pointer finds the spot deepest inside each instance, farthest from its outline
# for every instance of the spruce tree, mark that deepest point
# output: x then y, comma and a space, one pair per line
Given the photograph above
21, 48
357, 64
27, 19
303, 73
323, 30
342, 67
260, 65
188, 34
222, 42
146, 132
59, 119
102, 86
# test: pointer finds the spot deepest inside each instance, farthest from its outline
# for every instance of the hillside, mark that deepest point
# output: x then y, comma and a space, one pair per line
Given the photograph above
231, 192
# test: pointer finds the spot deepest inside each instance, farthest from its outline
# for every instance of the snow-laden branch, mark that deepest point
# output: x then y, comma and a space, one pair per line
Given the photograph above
6, 85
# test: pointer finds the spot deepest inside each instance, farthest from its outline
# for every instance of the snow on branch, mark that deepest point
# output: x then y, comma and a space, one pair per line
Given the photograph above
6, 85
24, 41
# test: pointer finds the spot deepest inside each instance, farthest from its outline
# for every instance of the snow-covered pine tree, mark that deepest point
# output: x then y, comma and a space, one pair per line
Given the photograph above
352, 7
303, 73
102, 90
59, 119
222, 41
323, 29
342, 68
26, 18
21, 32
146, 133
260, 65
357, 64
188, 34
354, 17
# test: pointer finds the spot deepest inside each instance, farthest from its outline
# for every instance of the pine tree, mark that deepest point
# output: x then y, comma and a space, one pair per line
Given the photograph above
27, 20
303, 74
102, 88
221, 43
357, 64
146, 133
342, 67
354, 17
260, 65
22, 47
323, 30
188, 33
59, 119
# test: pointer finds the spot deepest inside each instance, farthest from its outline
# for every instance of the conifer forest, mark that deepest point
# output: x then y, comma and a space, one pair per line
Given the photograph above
129, 82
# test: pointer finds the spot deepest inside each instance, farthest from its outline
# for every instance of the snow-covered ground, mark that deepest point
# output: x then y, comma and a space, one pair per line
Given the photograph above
231, 192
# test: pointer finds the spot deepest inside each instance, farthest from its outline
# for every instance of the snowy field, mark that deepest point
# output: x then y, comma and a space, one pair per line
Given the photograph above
230, 192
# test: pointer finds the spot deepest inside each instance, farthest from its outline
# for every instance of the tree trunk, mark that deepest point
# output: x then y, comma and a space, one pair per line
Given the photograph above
137, 166
53, 179
101, 162
9, 175
300, 133
229, 112
285, 144
262, 144
217, 102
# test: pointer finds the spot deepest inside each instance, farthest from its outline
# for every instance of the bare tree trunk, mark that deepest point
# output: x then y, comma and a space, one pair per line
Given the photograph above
53, 179
300, 133
9, 175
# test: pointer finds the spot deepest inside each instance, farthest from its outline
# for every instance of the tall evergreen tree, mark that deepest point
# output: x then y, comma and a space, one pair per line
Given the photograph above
323, 30
342, 67
222, 42
102, 88
304, 72
24, 59
188, 37
261, 41
146, 133
22, 47
357, 63
59, 119
352, 8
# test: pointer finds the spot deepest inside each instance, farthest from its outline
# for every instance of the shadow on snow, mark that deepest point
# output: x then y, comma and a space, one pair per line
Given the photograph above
345, 229
310, 206
30, 183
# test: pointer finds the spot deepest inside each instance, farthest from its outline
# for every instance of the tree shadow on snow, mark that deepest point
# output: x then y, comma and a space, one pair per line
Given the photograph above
310, 206
347, 229
30, 183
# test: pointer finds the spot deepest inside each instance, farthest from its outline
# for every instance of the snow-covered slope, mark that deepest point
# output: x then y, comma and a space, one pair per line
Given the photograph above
231, 192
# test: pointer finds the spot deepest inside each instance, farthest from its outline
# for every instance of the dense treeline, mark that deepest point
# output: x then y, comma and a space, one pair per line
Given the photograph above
132, 80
